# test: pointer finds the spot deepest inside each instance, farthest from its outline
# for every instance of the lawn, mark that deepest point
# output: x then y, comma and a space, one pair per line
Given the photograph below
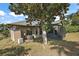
68, 47
72, 37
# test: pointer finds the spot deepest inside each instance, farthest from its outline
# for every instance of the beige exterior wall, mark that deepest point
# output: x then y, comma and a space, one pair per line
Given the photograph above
15, 35
20, 30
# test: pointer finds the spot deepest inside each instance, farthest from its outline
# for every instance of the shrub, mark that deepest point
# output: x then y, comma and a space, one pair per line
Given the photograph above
1, 38
19, 50
72, 28
13, 51
5, 32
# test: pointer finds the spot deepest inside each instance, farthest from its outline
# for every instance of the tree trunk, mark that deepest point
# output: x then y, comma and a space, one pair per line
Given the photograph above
44, 35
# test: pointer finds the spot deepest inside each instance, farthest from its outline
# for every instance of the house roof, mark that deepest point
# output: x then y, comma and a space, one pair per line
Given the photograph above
33, 23
24, 23
19, 23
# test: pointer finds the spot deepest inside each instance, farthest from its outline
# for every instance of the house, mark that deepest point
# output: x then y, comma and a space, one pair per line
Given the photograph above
22, 29
30, 30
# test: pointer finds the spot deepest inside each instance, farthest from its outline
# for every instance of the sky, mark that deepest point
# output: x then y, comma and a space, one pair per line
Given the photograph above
6, 16
73, 8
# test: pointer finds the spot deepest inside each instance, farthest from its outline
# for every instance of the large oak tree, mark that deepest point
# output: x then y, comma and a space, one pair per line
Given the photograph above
42, 11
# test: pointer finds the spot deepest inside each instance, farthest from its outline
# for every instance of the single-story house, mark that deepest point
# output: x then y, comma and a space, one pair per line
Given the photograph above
28, 30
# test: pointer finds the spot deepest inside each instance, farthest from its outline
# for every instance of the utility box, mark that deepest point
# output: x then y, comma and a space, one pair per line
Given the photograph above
20, 40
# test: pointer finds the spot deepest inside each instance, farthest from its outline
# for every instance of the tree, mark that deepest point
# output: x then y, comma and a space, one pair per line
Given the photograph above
41, 11
74, 18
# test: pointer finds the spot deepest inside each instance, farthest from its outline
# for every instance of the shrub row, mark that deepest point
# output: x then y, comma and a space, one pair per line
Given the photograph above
5, 32
72, 28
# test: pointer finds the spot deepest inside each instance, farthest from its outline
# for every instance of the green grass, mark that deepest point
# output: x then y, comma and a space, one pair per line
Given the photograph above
54, 47
10, 48
72, 37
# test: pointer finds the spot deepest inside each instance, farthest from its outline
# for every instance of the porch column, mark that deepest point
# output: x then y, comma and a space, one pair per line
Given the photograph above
34, 32
38, 31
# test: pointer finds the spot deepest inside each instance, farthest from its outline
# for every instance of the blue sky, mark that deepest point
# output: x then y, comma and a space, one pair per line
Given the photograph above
6, 16
73, 8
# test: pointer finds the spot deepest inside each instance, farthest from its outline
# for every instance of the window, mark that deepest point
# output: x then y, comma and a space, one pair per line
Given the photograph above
29, 32
36, 31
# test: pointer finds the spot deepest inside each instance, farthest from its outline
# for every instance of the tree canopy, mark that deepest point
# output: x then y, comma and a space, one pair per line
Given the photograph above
39, 10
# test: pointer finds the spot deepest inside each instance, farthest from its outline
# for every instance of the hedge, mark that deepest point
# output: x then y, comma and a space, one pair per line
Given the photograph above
72, 28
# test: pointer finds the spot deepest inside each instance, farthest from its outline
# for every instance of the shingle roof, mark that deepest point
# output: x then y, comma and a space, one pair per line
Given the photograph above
19, 23
24, 23
33, 23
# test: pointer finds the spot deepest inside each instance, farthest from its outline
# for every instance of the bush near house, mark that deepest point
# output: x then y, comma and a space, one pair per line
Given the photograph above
72, 28
1, 38
14, 51
5, 32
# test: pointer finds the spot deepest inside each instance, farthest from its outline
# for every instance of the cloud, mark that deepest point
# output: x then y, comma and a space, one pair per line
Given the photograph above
2, 13
13, 14
11, 17
7, 22
26, 16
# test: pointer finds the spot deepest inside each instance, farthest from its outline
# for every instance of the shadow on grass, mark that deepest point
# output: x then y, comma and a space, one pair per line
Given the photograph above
39, 40
69, 48
1, 38
14, 51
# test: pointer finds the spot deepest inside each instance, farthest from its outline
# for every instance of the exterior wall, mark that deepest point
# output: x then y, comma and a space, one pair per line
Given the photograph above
56, 27
12, 35
59, 29
15, 35
24, 29
62, 31
21, 32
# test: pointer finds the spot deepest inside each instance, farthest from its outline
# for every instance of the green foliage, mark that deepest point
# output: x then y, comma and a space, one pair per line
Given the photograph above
5, 32
75, 18
38, 39
1, 38
72, 25
14, 51
72, 28
42, 11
